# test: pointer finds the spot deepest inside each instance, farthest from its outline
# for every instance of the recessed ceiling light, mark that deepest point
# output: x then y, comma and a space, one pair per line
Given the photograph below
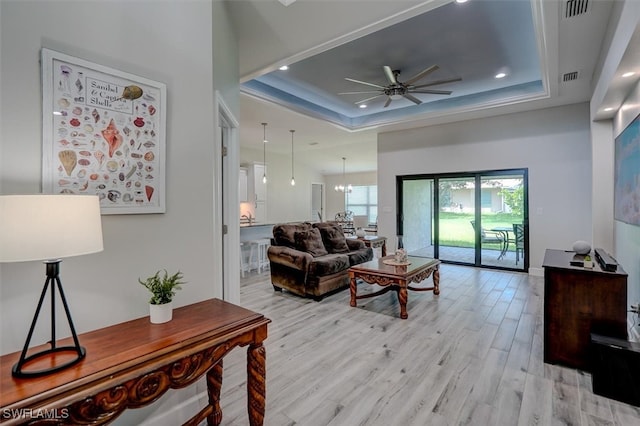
608, 109
501, 75
628, 74
284, 68
363, 105
461, 1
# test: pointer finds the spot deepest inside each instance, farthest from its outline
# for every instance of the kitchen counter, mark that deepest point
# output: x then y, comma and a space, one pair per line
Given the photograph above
255, 231
254, 224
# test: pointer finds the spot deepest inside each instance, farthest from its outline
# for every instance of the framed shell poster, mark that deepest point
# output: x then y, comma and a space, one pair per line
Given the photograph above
103, 134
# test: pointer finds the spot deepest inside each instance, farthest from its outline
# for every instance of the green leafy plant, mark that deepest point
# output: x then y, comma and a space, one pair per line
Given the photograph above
163, 287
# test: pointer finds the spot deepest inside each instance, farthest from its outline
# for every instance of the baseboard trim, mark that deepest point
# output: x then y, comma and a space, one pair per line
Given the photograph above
536, 272
177, 414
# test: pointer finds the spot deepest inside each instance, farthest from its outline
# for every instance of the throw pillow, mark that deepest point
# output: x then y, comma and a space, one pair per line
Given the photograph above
284, 233
333, 238
311, 242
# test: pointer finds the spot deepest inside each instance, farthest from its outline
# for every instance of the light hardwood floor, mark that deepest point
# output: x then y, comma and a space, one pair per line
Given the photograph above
472, 355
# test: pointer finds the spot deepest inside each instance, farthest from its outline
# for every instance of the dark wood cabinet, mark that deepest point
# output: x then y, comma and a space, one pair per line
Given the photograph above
577, 302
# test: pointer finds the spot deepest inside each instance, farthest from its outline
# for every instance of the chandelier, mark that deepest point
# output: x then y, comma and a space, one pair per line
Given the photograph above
343, 187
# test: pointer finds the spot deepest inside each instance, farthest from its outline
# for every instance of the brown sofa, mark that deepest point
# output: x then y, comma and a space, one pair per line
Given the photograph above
313, 259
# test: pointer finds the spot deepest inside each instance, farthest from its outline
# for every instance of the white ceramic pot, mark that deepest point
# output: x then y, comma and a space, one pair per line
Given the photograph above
161, 313
361, 233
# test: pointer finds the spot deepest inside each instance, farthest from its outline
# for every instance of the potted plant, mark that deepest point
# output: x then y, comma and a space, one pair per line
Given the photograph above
162, 287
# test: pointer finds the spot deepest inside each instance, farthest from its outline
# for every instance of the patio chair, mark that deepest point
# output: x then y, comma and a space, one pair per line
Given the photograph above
491, 237
518, 231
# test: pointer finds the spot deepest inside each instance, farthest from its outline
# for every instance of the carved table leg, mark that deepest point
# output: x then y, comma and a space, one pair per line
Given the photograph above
436, 281
214, 384
402, 298
353, 289
256, 371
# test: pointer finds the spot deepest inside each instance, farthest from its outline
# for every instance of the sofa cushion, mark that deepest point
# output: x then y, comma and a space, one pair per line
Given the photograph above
310, 241
359, 256
329, 264
332, 237
284, 233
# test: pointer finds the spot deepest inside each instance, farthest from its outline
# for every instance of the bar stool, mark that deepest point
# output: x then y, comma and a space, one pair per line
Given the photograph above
249, 261
262, 260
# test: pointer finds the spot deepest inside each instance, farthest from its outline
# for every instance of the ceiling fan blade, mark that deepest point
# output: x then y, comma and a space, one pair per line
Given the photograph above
386, 104
412, 99
368, 99
433, 92
389, 73
364, 82
434, 83
421, 74
357, 93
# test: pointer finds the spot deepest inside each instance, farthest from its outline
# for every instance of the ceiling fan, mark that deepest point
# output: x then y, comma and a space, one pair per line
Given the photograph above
397, 89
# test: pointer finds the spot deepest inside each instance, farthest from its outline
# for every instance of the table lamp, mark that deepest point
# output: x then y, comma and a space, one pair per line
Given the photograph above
360, 222
48, 228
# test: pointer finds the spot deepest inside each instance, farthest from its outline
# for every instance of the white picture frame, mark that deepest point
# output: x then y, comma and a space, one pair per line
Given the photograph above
104, 133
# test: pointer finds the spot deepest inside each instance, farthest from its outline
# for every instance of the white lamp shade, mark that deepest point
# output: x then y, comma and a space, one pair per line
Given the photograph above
46, 227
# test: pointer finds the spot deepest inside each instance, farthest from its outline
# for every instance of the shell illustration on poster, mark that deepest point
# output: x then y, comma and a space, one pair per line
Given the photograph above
103, 134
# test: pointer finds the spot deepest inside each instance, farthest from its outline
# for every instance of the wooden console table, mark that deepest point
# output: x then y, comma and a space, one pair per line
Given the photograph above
577, 302
132, 364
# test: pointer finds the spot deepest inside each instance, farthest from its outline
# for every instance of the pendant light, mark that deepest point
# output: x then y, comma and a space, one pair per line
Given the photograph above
293, 181
264, 152
343, 187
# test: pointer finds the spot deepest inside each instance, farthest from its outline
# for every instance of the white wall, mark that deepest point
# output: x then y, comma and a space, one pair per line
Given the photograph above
169, 42
285, 203
553, 144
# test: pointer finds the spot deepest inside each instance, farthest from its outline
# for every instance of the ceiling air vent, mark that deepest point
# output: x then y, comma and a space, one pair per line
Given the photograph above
570, 76
575, 8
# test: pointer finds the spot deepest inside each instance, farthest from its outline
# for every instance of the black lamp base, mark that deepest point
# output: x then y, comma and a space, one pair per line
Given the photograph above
18, 370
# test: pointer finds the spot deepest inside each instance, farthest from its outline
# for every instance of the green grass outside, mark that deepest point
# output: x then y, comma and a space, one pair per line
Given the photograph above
456, 229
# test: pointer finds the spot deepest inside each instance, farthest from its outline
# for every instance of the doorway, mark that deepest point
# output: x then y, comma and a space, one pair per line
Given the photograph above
226, 211
475, 218
317, 204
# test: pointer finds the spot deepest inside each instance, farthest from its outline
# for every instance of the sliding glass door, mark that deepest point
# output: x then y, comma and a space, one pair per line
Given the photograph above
456, 210
476, 218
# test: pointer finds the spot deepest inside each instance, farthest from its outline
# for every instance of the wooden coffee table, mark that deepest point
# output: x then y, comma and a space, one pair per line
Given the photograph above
396, 278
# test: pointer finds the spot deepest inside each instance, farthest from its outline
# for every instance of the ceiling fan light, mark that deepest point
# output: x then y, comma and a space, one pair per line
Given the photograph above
395, 97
